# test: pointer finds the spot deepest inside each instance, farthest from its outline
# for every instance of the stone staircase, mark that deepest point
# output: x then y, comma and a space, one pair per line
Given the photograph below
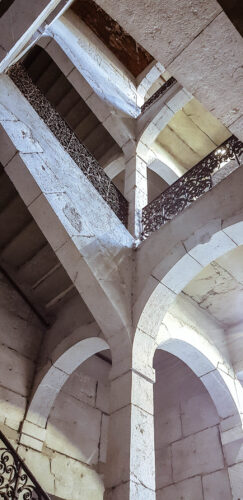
72, 108
26, 257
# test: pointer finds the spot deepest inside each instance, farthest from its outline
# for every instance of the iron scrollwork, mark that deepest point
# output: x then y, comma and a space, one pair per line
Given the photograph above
161, 91
70, 142
189, 187
16, 481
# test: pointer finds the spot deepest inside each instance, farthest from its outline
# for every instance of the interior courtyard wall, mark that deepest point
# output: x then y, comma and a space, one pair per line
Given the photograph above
21, 335
190, 461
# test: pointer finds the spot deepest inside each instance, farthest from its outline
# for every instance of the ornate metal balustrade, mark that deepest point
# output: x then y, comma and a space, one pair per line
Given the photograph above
162, 90
16, 481
70, 142
189, 187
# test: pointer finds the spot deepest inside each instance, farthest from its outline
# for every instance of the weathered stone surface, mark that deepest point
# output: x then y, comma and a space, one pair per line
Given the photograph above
76, 437
190, 456
182, 23
190, 489
217, 486
216, 70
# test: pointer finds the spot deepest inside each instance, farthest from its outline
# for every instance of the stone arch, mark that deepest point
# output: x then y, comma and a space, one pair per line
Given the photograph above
204, 359
54, 376
147, 79
190, 241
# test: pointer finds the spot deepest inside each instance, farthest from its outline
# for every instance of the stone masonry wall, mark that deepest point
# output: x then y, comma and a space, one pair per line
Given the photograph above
190, 463
20, 337
72, 461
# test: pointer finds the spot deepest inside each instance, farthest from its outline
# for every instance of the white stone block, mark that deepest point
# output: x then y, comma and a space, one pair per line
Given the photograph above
190, 489
163, 467
34, 431
216, 486
104, 438
59, 57
48, 222
167, 424
31, 442
198, 413
8, 149
219, 243
16, 371
22, 179
74, 429
190, 455
182, 273
236, 481
12, 408
73, 479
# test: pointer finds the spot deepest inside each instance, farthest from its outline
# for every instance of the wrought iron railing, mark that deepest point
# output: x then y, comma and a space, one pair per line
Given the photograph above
70, 142
16, 481
162, 90
189, 187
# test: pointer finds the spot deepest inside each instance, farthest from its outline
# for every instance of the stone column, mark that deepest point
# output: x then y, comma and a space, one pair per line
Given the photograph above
135, 191
130, 461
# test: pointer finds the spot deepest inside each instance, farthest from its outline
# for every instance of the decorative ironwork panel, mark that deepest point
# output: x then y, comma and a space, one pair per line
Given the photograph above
162, 90
67, 138
16, 481
189, 187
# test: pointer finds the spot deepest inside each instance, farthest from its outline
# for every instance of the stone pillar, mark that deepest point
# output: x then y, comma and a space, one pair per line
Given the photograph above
135, 191
130, 461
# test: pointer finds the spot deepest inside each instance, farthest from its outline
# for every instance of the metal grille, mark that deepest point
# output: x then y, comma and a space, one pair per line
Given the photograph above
68, 139
189, 187
162, 90
16, 481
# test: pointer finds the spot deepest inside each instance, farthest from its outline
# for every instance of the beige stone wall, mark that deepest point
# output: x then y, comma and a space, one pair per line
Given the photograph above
73, 457
190, 462
20, 337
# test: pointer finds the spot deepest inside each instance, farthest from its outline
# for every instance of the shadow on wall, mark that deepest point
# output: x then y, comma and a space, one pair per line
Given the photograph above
189, 454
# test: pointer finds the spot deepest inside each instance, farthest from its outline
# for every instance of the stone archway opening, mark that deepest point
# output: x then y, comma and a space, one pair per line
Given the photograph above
189, 456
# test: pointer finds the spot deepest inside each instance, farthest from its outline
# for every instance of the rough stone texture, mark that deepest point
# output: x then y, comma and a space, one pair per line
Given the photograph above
236, 479
217, 486
190, 489
217, 67
183, 22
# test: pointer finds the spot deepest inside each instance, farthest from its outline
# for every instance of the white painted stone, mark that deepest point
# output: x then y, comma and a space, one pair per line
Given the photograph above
220, 393
217, 486
34, 431
190, 455
190, 489
12, 408
8, 149
80, 84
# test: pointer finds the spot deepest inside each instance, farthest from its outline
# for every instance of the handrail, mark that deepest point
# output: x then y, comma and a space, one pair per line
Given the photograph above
188, 187
161, 91
70, 142
16, 480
